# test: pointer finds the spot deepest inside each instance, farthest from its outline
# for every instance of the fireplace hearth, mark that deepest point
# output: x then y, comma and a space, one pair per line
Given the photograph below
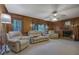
67, 33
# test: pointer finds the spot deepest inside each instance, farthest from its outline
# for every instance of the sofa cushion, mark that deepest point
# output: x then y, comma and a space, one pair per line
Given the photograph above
51, 31
34, 33
14, 34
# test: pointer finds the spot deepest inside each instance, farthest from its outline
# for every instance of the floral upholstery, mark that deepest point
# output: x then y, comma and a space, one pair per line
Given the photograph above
52, 34
37, 37
17, 42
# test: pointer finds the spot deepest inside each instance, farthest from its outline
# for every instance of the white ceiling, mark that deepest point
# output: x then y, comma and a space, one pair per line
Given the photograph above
41, 11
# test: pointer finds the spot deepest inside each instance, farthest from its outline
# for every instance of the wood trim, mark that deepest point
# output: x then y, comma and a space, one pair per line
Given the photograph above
3, 8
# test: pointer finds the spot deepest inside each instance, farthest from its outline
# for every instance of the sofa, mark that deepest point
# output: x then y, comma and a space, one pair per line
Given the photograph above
53, 34
37, 37
17, 41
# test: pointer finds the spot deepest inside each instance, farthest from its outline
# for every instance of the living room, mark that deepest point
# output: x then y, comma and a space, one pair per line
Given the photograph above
36, 31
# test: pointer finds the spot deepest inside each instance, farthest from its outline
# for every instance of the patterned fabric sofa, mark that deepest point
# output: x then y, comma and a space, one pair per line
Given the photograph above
16, 41
37, 37
53, 34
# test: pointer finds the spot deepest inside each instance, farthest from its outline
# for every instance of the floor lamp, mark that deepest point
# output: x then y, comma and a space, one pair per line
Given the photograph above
5, 19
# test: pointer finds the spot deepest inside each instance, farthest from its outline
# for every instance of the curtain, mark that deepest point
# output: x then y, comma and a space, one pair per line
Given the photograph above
40, 27
17, 25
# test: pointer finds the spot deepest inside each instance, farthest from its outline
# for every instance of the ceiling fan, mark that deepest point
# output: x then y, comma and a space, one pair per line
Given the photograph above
56, 16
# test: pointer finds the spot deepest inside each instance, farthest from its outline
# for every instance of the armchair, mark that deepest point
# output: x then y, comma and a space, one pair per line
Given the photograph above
16, 41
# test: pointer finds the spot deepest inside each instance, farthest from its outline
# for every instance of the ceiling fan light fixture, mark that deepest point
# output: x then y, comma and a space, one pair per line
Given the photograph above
55, 14
54, 19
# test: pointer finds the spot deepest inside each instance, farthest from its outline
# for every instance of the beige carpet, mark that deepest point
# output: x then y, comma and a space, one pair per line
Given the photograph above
51, 47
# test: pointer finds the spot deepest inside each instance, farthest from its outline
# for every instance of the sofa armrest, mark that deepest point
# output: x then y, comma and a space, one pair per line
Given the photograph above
14, 46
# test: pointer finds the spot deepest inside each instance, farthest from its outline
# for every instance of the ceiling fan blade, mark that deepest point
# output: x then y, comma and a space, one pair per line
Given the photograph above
62, 15
55, 7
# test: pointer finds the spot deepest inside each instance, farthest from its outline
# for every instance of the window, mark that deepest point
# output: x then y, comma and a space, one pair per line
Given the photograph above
17, 25
40, 27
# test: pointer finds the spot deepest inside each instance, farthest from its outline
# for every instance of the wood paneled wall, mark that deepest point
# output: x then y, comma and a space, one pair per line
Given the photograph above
2, 9
58, 24
61, 24
27, 22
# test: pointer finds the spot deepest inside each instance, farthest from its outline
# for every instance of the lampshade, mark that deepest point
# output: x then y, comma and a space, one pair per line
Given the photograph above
5, 18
